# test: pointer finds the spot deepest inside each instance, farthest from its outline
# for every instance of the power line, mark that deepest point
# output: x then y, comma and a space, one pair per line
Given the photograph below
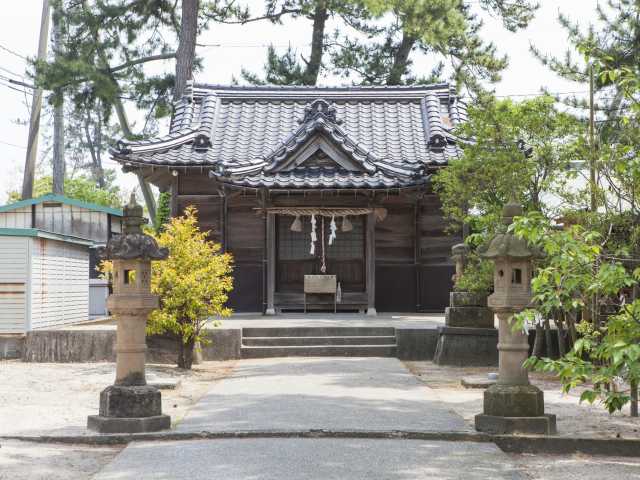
11, 73
13, 145
14, 88
12, 52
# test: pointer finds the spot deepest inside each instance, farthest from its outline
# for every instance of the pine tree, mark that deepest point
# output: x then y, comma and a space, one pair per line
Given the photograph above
290, 68
446, 29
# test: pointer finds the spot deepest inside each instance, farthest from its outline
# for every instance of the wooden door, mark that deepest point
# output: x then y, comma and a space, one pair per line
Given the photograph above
345, 258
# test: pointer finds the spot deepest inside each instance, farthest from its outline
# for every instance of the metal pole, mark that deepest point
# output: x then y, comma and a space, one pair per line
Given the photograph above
34, 122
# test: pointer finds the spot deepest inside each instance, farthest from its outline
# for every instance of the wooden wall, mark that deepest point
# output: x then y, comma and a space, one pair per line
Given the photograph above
242, 236
59, 283
435, 268
14, 278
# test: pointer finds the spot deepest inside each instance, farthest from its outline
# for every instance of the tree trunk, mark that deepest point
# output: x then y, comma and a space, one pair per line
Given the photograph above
187, 47
314, 64
539, 341
59, 167
185, 354
401, 60
94, 144
561, 338
144, 186
548, 338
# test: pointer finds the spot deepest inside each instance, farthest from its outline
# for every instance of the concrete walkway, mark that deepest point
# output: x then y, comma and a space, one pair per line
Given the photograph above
320, 393
310, 459
290, 394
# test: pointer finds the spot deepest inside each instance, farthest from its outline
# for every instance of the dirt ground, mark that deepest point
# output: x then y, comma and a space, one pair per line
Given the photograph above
56, 398
573, 418
36, 461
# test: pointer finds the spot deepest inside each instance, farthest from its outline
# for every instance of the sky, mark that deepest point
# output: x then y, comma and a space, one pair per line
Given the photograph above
232, 47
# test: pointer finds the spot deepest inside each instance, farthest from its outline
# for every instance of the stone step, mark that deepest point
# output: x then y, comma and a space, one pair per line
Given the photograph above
318, 332
315, 341
320, 351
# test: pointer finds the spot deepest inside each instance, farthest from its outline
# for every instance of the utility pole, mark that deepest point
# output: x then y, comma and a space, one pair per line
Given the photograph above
36, 104
592, 145
59, 165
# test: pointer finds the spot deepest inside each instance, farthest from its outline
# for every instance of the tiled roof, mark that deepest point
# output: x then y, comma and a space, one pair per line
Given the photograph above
391, 132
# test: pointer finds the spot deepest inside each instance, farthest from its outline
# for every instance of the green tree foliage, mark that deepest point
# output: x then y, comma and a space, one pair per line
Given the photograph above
604, 361
520, 149
193, 284
290, 68
447, 30
163, 213
80, 188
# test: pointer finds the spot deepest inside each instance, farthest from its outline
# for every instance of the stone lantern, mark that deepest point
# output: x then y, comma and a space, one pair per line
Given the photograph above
512, 405
130, 405
459, 254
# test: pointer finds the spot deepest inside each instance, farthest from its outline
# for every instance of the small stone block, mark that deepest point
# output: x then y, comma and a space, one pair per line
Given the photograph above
477, 382
467, 299
130, 401
102, 424
541, 425
164, 384
473, 317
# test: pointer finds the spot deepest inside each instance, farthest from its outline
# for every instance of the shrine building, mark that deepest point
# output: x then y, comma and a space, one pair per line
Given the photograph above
295, 181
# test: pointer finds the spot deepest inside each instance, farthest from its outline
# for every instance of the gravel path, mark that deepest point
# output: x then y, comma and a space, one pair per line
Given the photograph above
56, 398
36, 461
574, 419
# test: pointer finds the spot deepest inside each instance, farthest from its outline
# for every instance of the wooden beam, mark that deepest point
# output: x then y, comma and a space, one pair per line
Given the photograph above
370, 243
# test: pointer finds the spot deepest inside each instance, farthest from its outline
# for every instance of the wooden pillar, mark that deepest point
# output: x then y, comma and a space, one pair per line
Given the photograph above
371, 263
174, 197
271, 263
224, 209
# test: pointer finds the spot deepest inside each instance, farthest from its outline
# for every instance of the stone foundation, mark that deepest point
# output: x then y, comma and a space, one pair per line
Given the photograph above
464, 347
129, 409
468, 310
542, 425
515, 409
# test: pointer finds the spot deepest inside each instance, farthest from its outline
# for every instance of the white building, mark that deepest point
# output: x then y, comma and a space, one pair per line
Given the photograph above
47, 262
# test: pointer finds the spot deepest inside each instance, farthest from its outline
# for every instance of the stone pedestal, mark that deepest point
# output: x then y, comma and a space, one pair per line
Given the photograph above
469, 337
130, 405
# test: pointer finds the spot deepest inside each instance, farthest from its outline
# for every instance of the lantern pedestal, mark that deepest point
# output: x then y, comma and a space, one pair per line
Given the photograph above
513, 405
130, 405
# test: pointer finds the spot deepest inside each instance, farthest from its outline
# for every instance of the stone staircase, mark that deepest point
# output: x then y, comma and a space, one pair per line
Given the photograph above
318, 341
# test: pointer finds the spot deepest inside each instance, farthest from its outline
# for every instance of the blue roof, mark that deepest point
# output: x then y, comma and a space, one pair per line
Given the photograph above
36, 232
50, 197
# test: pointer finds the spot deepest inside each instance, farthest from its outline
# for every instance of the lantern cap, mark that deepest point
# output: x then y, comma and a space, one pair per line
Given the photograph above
507, 245
132, 216
460, 251
132, 244
510, 210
